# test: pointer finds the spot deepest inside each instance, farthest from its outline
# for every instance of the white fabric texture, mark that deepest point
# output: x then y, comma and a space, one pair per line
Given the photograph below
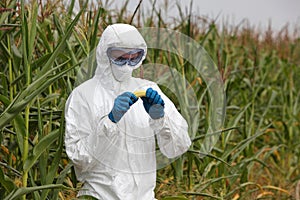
117, 161
122, 73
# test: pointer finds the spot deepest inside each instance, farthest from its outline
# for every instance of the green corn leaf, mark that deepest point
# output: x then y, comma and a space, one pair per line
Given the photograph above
56, 158
17, 193
43, 39
244, 143
61, 178
32, 31
175, 198
60, 47
236, 119
202, 195
209, 155
18, 123
6, 182
29, 93
40, 148
4, 15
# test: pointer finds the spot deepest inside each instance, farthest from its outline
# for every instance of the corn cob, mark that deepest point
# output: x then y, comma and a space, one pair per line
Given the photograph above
140, 93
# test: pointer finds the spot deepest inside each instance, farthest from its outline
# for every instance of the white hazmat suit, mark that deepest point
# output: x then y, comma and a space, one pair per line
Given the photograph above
117, 161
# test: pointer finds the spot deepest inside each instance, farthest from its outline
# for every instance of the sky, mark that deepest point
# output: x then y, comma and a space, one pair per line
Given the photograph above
258, 12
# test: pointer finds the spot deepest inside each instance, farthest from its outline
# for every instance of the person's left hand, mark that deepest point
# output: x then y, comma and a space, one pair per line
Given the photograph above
153, 104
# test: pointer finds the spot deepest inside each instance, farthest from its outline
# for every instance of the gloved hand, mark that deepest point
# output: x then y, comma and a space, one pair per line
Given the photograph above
153, 104
121, 106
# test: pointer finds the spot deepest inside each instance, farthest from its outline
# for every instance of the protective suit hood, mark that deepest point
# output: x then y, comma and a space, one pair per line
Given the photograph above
117, 35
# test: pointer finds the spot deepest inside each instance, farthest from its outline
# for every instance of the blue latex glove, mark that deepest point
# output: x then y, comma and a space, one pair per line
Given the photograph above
121, 106
153, 104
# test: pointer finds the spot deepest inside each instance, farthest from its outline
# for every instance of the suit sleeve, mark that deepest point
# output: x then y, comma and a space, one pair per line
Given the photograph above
79, 134
171, 130
88, 135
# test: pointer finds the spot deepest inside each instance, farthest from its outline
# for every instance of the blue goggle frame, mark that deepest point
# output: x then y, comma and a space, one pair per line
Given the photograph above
124, 56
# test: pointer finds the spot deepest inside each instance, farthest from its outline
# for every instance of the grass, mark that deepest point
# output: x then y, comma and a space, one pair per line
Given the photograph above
256, 157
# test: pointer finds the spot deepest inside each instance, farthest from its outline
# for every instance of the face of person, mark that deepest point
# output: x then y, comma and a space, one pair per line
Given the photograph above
123, 56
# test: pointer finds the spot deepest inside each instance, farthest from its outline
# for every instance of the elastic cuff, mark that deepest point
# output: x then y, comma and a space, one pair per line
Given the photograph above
157, 124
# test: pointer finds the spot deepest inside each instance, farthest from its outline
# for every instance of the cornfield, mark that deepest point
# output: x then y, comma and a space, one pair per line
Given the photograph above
257, 156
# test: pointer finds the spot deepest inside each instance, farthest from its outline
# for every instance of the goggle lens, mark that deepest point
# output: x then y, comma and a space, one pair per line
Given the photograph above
121, 56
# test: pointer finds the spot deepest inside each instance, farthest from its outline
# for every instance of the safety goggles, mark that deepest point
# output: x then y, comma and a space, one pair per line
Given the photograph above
121, 56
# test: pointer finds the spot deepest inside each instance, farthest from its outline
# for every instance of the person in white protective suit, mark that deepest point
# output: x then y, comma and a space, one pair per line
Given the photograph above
110, 132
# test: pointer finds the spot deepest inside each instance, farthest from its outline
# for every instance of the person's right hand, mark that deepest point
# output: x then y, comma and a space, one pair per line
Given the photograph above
121, 106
